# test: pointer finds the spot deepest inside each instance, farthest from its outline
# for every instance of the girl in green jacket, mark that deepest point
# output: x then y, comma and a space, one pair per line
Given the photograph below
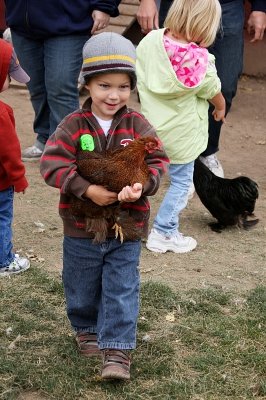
176, 80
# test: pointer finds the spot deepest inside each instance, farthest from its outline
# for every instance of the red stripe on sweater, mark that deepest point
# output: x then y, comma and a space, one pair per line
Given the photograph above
164, 164
58, 176
64, 205
124, 131
63, 144
79, 225
81, 132
140, 224
57, 158
154, 171
129, 115
83, 114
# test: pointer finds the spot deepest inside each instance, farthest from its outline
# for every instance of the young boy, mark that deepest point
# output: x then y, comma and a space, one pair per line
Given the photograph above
12, 171
101, 281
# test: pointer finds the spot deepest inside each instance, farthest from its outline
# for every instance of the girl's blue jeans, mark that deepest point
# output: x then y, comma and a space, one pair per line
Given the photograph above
101, 283
6, 218
175, 199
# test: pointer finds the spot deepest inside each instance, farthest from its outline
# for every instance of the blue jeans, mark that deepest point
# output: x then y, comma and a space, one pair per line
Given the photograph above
6, 218
53, 65
175, 199
228, 51
101, 284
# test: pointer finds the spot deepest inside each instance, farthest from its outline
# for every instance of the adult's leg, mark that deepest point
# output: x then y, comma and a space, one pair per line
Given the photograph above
164, 7
62, 62
30, 55
228, 51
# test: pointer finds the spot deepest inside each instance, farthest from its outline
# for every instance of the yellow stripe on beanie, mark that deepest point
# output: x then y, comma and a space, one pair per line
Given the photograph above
109, 57
108, 52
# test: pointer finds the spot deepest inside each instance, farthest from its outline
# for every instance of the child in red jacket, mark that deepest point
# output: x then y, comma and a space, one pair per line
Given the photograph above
12, 171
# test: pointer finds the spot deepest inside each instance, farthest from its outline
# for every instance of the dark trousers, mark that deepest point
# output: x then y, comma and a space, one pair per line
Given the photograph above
228, 51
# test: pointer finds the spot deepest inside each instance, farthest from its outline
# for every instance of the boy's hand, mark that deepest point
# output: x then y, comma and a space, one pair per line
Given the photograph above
99, 195
100, 20
130, 193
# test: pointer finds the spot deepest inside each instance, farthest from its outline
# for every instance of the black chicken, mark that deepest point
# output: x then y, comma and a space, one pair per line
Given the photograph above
230, 201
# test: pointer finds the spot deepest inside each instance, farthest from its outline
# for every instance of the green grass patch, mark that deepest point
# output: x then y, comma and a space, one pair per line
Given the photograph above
201, 344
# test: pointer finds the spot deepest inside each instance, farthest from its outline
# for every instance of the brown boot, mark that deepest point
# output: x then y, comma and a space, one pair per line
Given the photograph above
87, 344
116, 364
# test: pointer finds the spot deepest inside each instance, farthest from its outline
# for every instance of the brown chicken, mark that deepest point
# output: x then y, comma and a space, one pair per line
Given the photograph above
113, 169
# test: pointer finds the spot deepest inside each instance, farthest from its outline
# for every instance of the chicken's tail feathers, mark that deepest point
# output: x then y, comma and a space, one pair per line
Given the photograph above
99, 227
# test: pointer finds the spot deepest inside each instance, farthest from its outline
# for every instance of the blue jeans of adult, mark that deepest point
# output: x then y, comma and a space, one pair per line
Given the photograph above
228, 51
101, 283
175, 199
53, 65
6, 218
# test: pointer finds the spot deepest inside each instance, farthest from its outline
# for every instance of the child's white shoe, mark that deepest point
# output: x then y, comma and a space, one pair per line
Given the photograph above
18, 265
177, 243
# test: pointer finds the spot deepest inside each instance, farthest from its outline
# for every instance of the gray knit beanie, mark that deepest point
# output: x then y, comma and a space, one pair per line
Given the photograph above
108, 52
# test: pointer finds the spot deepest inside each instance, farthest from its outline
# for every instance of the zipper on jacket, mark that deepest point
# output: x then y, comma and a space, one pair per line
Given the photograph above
109, 137
97, 136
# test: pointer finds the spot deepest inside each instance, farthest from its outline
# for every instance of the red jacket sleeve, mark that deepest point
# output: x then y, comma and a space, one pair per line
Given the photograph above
12, 168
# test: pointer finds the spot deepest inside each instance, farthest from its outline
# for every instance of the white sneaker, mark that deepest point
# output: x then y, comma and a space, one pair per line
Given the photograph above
177, 243
31, 153
213, 164
18, 265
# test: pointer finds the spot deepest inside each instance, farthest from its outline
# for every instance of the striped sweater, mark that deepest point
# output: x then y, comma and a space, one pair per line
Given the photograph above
58, 163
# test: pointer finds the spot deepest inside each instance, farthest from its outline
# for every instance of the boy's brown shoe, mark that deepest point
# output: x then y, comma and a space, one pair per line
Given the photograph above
116, 364
87, 344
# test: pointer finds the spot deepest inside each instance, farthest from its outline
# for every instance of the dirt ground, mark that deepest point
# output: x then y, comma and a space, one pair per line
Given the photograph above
234, 259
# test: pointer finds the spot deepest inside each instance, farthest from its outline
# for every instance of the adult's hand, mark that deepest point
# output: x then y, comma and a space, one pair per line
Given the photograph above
148, 16
257, 25
100, 20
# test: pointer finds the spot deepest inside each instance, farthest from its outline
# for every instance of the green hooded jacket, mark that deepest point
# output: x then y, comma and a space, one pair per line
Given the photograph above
178, 113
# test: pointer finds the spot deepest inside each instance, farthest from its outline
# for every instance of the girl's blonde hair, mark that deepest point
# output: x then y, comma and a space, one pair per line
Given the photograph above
195, 20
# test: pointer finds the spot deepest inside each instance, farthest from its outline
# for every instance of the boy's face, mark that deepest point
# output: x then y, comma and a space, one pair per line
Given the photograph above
109, 93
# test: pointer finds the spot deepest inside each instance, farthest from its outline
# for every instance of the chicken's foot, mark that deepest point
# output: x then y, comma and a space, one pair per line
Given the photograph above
118, 232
